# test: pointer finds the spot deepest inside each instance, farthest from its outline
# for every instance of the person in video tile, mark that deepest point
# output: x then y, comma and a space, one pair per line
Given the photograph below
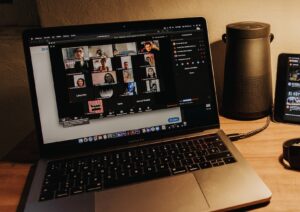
109, 79
100, 53
153, 87
124, 49
80, 83
125, 65
150, 47
126, 62
149, 59
104, 78
79, 80
130, 89
151, 72
80, 63
127, 75
115, 52
103, 67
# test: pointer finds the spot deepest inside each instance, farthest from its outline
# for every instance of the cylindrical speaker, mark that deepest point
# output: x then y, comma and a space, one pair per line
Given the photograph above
247, 92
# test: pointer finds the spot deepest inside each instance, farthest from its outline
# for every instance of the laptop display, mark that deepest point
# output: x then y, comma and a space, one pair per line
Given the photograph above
116, 84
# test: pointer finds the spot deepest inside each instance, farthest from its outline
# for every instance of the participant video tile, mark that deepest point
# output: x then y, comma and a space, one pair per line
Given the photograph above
106, 78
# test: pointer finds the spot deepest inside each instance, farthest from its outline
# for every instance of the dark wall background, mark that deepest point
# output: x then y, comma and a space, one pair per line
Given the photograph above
16, 120
18, 13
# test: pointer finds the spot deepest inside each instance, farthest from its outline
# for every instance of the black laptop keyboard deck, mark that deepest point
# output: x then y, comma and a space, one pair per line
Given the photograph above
103, 171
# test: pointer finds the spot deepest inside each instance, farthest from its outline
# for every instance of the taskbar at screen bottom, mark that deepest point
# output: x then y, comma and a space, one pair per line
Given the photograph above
147, 130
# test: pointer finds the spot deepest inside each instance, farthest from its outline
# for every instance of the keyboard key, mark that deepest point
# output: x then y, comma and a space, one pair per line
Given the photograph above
76, 190
205, 165
192, 167
221, 163
187, 161
229, 160
213, 150
46, 196
62, 193
201, 153
178, 157
136, 172
178, 170
211, 138
199, 159
218, 155
189, 155
94, 186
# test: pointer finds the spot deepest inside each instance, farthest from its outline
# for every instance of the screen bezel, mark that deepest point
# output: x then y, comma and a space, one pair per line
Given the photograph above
281, 88
59, 148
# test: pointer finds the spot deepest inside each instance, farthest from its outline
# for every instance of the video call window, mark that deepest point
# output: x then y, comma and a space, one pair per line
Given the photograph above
101, 51
106, 78
124, 49
99, 76
102, 64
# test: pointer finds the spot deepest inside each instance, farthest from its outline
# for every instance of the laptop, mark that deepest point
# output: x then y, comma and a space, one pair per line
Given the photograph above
127, 120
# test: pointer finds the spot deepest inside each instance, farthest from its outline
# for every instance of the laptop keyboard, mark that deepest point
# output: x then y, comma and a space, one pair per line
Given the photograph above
103, 171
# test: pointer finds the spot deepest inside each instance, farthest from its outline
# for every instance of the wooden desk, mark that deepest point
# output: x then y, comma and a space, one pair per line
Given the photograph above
261, 151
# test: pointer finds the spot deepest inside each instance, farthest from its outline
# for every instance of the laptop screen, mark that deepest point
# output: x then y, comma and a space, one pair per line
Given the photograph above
118, 82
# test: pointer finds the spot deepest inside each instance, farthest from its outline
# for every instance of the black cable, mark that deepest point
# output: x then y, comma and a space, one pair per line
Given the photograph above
239, 136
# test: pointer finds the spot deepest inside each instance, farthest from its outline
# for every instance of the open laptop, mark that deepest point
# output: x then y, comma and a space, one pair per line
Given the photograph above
127, 120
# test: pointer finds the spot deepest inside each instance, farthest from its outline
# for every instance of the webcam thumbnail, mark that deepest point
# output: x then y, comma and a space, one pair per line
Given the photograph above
102, 64
129, 89
124, 49
79, 81
147, 47
151, 72
101, 51
76, 58
152, 86
106, 78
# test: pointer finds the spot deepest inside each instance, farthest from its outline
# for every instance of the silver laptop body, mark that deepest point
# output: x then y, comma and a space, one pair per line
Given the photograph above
106, 90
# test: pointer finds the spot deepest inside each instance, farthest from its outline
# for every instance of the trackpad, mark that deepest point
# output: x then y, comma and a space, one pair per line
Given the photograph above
179, 193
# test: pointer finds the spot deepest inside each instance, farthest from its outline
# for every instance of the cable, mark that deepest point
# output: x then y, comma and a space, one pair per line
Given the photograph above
239, 136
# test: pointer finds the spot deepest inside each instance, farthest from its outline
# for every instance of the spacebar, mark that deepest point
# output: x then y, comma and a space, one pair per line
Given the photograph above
218, 156
135, 179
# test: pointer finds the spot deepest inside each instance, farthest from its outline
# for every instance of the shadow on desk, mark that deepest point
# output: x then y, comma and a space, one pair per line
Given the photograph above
252, 207
26, 151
